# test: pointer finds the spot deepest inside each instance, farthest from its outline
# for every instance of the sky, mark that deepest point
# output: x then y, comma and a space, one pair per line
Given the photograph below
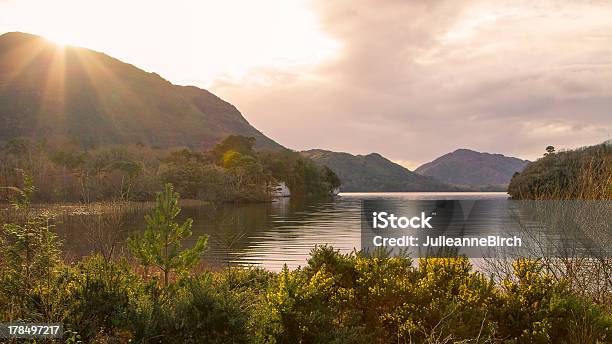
411, 80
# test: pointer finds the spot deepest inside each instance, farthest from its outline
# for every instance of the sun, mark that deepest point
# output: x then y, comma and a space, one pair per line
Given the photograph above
66, 38
187, 41
60, 42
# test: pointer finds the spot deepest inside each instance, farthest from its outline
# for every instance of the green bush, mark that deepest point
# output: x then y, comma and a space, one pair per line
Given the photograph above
354, 299
335, 298
99, 294
193, 310
533, 308
29, 260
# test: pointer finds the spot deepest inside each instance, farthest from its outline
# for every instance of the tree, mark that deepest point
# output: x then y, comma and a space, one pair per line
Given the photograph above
241, 144
197, 180
129, 169
549, 150
184, 156
332, 178
247, 172
161, 243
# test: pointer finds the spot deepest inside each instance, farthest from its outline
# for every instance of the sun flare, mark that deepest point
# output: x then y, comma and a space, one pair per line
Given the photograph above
57, 40
203, 41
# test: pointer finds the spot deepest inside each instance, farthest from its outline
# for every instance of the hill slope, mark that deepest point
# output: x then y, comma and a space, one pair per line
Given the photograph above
70, 94
584, 173
468, 167
374, 173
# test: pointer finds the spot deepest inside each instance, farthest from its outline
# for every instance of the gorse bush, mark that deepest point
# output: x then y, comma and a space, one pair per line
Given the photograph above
353, 299
534, 308
193, 310
335, 298
99, 296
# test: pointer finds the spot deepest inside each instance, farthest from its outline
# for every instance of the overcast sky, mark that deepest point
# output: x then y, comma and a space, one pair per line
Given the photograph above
411, 80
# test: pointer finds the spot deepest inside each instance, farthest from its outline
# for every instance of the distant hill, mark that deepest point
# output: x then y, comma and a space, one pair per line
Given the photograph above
483, 171
584, 173
71, 94
374, 173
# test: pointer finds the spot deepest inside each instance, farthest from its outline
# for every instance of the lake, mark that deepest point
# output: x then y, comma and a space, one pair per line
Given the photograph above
264, 234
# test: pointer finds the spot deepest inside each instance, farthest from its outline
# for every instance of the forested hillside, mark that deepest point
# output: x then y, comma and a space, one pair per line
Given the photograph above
232, 171
584, 173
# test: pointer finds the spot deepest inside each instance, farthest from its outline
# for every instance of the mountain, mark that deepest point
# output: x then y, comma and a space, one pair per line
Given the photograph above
77, 95
374, 173
475, 169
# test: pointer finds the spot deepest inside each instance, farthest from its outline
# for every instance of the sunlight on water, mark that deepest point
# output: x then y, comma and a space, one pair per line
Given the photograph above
270, 234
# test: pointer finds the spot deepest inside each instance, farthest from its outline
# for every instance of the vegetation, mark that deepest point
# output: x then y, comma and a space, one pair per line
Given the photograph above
159, 293
161, 243
580, 174
232, 171
584, 174
335, 298
98, 131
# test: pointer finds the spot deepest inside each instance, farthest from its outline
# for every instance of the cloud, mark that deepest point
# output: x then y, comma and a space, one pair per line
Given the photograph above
417, 79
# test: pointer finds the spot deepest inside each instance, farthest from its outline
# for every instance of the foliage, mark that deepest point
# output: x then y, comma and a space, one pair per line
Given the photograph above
196, 180
534, 308
193, 311
99, 295
303, 177
350, 298
584, 173
161, 242
231, 171
335, 298
233, 143
24, 195
29, 253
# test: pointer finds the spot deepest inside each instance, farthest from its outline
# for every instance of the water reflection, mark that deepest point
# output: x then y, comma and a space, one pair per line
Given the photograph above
266, 234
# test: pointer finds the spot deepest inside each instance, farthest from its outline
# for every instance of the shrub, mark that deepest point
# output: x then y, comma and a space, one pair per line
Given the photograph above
100, 294
354, 299
534, 308
29, 257
193, 310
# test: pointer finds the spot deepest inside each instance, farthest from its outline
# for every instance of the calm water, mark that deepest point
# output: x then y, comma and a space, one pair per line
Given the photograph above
268, 234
